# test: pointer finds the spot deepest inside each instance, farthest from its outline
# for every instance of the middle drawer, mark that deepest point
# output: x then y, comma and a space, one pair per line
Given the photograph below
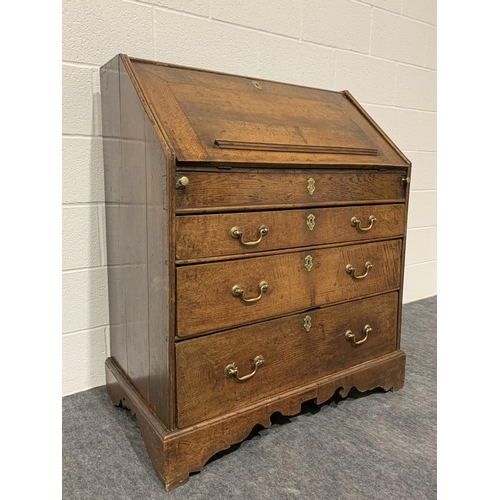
238, 292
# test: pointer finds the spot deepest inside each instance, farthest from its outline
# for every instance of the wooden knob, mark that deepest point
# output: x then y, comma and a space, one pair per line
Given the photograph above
182, 182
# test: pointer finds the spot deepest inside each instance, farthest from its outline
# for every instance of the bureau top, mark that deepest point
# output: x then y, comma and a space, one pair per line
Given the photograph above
208, 117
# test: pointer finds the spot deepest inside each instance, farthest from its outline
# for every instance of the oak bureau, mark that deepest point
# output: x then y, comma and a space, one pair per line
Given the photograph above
255, 248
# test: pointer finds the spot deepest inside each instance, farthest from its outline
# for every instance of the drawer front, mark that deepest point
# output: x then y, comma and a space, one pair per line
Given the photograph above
227, 191
293, 353
205, 236
207, 300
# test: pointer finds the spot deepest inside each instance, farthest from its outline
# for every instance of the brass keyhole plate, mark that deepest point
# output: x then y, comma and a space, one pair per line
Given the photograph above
311, 221
307, 323
308, 263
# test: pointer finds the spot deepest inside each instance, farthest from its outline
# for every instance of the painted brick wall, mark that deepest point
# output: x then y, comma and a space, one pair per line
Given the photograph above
382, 51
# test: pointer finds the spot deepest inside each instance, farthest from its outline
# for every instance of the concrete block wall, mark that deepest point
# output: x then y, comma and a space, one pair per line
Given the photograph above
382, 51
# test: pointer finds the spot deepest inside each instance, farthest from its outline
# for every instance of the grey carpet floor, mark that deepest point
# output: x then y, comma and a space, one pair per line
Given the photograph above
377, 445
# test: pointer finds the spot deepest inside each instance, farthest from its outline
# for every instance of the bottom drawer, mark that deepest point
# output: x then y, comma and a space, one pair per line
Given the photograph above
295, 350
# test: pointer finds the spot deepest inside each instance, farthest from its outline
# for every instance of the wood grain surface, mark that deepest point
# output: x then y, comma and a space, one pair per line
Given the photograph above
205, 302
220, 191
206, 236
310, 125
292, 355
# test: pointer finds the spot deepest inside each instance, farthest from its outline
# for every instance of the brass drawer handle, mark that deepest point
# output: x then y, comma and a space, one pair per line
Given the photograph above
352, 270
355, 222
350, 336
237, 233
232, 369
237, 291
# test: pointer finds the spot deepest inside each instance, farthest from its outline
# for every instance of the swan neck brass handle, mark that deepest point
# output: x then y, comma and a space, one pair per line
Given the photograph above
237, 291
350, 336
355, 222
232, 370
237, 233
352, 270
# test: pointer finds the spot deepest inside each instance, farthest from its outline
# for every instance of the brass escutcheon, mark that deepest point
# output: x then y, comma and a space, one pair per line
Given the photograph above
355, 222
307, 323
257, 85
310, 185
237, 233
352, 270
350, 336
308, 263
311, 221
232, 369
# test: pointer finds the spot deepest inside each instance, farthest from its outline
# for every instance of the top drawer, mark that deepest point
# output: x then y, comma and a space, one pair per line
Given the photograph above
229, 191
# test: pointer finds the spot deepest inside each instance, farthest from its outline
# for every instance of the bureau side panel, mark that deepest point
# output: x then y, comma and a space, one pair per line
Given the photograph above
159, 275
110, 106
126, 224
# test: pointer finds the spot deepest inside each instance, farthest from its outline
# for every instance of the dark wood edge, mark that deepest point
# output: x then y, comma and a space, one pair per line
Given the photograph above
172, 242
150, 111
280, 164
290, 168
399, 316
258, 208
187, 450
372, 122
403, 256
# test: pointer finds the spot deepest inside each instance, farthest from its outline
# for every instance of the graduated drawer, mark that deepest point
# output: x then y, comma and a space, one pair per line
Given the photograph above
228, 191
295, 350
205, 236
208, 301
